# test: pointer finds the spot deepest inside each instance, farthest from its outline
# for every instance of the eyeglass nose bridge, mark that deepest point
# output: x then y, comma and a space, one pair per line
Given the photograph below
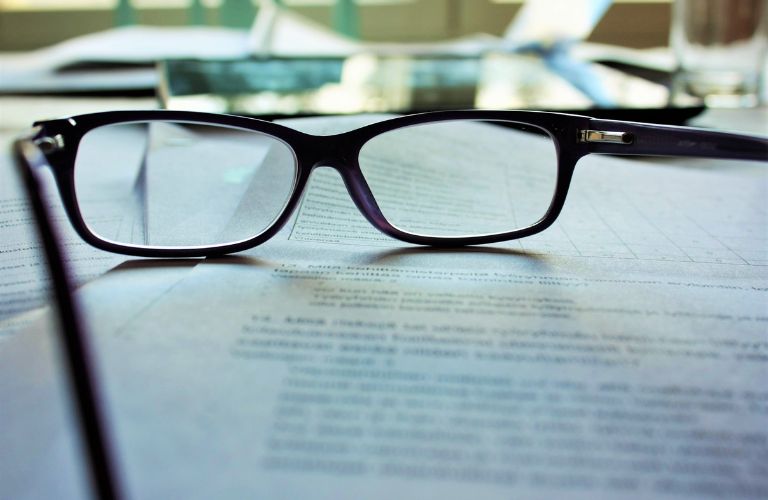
337, 153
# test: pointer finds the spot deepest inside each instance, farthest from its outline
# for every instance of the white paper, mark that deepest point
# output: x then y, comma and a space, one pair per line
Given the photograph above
42, 454
620, 354
55, 68
340, 379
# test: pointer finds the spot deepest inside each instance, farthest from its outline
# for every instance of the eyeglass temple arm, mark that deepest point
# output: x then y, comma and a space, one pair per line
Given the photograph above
76, 349
629, 138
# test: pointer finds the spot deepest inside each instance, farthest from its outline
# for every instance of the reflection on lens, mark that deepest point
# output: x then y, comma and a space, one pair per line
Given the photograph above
173, 184
461, 178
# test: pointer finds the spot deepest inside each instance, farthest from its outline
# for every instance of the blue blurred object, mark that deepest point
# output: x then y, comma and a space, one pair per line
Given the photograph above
578, 73
536, 31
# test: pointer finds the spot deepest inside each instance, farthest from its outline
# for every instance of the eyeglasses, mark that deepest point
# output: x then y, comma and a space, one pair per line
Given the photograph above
185, 184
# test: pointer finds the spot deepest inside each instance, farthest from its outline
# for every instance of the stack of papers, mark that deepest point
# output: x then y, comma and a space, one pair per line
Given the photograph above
619, 354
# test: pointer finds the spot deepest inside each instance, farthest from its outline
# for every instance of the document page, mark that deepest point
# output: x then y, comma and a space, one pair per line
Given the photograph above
620, 354
623, 353
416, 377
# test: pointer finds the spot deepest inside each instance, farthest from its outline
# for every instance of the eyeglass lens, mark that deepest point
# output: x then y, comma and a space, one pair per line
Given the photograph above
173, 184
461, 178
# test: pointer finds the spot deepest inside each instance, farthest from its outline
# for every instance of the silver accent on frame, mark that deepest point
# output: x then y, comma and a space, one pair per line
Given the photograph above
49, 144
605, 137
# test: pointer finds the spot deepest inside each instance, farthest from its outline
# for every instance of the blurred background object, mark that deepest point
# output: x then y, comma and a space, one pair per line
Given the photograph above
720, 48
544, 54
31, 24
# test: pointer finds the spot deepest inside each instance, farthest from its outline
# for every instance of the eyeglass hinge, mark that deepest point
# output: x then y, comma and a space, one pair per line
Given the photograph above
605, 136
49, 144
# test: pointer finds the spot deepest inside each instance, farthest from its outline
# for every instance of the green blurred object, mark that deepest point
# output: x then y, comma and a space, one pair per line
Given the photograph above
197, 13
237, 13
346, 19
124, 13
241, 13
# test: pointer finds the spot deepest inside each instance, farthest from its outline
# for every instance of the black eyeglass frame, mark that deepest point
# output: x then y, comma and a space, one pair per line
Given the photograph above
574, 137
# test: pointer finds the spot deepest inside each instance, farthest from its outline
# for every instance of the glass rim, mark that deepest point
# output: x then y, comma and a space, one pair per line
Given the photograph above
76, 192
542, 210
